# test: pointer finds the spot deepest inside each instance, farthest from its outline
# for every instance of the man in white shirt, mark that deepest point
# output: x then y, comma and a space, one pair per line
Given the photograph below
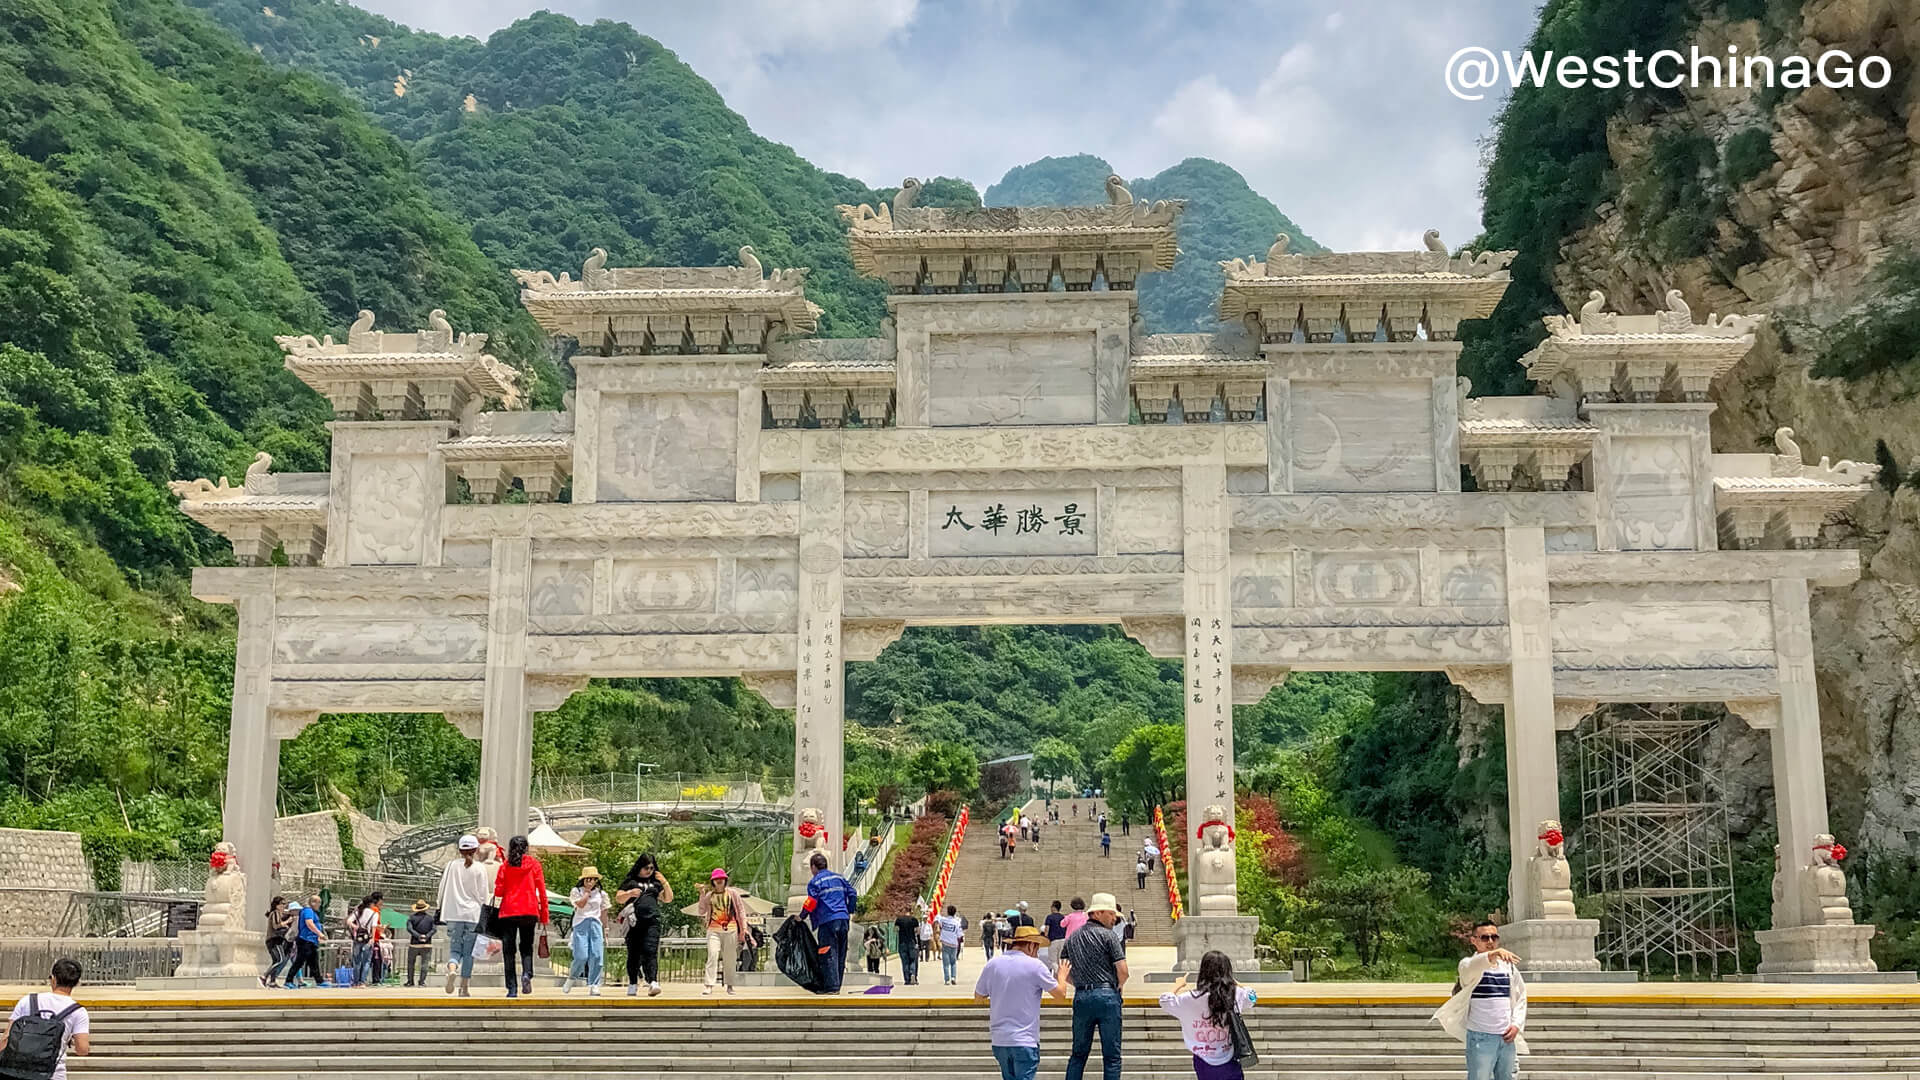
952, 929
1488, 1008
56, 1003
465, 885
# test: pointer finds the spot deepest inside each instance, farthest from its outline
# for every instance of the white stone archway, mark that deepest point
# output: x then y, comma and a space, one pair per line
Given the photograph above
1282, 495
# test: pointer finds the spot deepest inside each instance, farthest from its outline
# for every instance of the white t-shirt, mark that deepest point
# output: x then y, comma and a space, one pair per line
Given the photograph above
587, 905
926, 930
950, 929
464, 890
1205, 1039
76, 1024
1490, 1009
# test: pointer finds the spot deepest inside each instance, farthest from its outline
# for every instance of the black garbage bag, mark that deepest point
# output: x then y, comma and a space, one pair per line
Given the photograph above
798, 955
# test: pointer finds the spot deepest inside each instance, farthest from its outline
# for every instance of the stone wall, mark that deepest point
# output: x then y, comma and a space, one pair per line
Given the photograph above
43, 870
302, 841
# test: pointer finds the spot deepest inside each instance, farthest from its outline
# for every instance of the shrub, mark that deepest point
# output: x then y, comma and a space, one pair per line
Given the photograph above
1748, 154
1882, 331
913, 866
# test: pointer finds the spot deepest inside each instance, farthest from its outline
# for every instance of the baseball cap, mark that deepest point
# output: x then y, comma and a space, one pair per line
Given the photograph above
468, 842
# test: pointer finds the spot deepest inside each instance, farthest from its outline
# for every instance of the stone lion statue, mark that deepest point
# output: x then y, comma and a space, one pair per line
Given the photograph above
226, 896
1552, 877
1214, 875
1826, 885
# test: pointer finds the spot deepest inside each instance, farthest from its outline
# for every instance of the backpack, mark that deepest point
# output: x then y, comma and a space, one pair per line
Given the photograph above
35, 1041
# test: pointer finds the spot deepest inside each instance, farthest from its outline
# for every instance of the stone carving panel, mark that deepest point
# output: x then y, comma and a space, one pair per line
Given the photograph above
1652, 480
346, 640
1465, 577
877, 525
1147, 520
1263, 579
1342, 578
766, 585
668, 447
1708, 631
962, 523
1375, 437
561, 587
663, 586
389, 505
989, 379
474, 554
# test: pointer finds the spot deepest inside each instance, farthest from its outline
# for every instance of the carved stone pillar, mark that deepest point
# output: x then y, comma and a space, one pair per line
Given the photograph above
1533, 768
506, 736
1214, 921
818, 757
253, 751
1798, 945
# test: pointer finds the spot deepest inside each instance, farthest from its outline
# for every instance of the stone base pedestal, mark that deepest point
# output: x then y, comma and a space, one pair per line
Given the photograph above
1196, 935
178, 985
222, 953
1553, 946
1815, 951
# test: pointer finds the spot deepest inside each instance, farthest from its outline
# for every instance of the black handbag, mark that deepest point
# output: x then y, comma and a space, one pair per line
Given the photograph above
1243, 1051
490, 920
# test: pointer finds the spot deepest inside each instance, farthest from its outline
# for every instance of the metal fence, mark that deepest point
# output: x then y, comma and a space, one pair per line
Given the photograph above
113, 961
431, 806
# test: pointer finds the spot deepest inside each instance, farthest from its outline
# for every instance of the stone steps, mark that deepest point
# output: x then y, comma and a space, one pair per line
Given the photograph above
315, 1039
1068, 864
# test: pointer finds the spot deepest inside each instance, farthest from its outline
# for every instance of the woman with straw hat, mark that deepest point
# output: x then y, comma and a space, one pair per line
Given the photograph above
722, 909
589, 939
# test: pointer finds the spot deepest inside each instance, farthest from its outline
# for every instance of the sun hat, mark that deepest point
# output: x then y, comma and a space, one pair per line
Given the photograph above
419, 905
719, 873
1029, 935
468, 842
590, 872
1102, 902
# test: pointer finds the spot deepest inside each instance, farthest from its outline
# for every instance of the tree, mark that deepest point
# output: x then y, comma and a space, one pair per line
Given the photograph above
1000, 780
945, 766
1370, 908
1055, 759
1148, 768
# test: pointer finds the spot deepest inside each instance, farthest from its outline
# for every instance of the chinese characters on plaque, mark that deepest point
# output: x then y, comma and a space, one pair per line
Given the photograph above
1010, 523
1210, 699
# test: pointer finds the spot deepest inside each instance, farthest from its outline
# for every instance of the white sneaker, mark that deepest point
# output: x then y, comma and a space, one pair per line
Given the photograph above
706, 991
453, 975
593, 991
729, 991
653, 989
566, 987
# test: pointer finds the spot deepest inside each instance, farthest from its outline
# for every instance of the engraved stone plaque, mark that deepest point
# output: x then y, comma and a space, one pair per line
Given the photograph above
663, 586
381, 641
1146, 521
667, 447
389, 499
1338, 578
1010, 522
877, 524
561, 587
766, 585
1363, 437
1652, 493
1034, 378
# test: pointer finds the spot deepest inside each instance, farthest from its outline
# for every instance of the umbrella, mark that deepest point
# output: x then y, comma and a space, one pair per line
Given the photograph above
544, 840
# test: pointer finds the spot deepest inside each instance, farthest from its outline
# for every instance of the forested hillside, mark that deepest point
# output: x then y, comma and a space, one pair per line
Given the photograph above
1224, 218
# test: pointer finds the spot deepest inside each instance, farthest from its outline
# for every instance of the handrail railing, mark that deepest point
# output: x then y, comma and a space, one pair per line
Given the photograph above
1166, 862
863, 878
947, 859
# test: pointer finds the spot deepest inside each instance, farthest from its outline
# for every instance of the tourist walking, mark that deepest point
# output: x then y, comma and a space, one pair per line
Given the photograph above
307, 936
465, 888
829, 905
1020, 916
520, 893
1076, 917
1207, 1014
1126, 936
926, 938
1056, 933
281, 923
723, 911
1011, 985
588, 942
953, 933
1140, 871
45, 1026
989, 933
364, 924
1153, 855
1488, 1008
873, 944
1096, 966
1126, 826
906, 939
1103, 821
1106, 844
420, 927
1003, 844
642, 892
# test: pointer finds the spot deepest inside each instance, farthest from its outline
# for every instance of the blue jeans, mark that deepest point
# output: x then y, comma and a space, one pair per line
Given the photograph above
1017, 1062
949, 962
589, 951
362, 962
1489, 1057
833, 940
1096, 1008
460, 937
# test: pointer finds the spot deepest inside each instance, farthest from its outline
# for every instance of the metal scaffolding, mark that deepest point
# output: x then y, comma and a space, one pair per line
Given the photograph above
1654, 829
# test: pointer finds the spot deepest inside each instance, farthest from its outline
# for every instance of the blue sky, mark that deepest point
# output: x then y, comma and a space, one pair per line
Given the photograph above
1335, 111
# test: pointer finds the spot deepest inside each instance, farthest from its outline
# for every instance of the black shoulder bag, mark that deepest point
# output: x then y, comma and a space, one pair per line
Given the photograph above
1243, 1051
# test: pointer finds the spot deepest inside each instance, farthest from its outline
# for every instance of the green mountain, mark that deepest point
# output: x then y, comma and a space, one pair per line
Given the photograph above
1224, 218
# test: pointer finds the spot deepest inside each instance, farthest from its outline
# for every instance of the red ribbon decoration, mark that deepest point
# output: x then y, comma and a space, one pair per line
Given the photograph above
1838, 851
811, 829
1553, 837
217, 860
1215, 821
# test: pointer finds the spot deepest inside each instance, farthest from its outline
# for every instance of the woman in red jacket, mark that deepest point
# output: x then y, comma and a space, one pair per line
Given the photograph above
520, 892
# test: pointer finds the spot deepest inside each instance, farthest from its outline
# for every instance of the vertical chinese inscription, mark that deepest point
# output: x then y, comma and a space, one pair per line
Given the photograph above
819, 694
1208, 690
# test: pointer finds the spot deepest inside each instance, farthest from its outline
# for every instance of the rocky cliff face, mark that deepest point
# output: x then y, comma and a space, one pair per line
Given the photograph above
1799, 240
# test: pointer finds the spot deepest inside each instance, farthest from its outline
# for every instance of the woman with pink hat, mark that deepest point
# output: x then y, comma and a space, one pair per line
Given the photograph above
724, 910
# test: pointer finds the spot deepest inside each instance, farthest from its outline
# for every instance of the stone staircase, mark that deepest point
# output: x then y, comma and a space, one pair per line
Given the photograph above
905, 1040
1067, 865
